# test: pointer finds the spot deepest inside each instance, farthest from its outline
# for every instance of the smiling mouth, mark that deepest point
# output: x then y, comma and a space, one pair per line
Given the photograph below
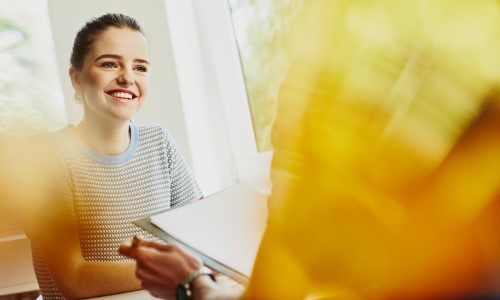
122, 95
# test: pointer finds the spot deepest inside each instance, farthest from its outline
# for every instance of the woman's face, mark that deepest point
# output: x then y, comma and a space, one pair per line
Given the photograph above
114, 80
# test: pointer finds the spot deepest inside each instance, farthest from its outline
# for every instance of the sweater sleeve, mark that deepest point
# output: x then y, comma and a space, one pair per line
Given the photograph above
184, 188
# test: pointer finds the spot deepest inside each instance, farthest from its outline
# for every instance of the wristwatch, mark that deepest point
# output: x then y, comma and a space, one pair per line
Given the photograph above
183, 291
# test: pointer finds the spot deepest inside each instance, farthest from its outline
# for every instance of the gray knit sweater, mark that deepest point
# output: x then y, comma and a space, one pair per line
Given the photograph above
106, 194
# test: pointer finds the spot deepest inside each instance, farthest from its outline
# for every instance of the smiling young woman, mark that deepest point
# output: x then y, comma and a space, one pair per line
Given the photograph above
112, 85
110, 172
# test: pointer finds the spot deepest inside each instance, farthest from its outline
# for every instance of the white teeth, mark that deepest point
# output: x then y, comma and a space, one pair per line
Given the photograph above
123, 95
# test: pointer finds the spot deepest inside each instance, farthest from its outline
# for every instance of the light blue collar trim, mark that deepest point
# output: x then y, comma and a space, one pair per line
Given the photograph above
110, 159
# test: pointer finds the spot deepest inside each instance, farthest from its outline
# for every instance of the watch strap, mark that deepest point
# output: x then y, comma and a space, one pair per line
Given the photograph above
184, 291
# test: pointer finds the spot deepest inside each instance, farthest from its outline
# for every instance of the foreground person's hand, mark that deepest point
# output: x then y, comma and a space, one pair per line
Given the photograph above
161, 268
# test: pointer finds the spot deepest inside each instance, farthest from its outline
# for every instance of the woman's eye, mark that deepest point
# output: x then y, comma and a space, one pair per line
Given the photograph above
141, 68
108, 64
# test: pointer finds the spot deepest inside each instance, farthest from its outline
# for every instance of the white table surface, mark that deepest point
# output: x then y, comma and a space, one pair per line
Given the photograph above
224, 281
135, 295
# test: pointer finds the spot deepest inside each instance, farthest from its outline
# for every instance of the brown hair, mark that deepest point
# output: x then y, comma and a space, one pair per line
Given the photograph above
92, 29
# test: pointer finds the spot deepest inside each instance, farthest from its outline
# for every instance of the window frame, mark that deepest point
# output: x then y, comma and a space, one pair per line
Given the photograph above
206, 54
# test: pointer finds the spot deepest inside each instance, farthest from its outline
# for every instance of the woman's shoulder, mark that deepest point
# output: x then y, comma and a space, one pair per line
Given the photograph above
155, 136
148, 131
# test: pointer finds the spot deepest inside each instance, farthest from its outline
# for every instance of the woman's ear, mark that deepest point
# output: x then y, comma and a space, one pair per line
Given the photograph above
73, 75
75, 82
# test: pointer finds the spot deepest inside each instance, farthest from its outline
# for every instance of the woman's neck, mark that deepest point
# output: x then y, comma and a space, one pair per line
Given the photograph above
109, 139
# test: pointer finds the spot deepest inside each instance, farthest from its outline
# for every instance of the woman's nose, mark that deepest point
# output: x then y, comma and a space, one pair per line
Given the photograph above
126, 77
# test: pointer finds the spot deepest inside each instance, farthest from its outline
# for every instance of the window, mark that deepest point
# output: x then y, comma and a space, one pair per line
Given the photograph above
263, 33
30, 93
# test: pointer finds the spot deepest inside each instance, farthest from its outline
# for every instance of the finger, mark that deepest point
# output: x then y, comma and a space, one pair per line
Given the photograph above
127, 248
155, 245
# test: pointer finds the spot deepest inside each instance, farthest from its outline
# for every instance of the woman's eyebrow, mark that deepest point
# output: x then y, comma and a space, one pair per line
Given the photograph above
116, 56
143, 61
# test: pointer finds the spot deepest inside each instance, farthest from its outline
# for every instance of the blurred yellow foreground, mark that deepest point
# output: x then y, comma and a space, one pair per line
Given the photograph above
386, 168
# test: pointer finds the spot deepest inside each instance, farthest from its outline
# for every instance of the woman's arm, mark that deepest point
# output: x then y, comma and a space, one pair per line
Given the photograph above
75, 277
36, 189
